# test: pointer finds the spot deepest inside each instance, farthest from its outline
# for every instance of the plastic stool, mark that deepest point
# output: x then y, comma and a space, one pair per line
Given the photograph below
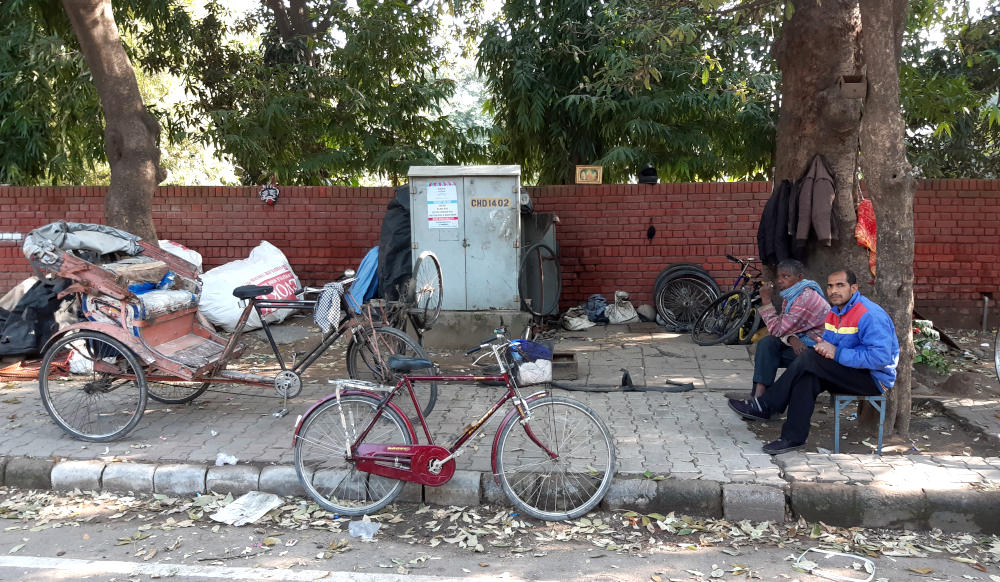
840, 402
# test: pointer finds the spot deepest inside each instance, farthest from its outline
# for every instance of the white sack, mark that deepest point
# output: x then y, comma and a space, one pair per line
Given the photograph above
266, 265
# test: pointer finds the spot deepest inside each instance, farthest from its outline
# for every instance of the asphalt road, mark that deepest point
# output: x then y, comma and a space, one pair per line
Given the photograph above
55, 538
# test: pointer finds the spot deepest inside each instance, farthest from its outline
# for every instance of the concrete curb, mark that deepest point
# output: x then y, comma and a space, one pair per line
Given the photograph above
842, 504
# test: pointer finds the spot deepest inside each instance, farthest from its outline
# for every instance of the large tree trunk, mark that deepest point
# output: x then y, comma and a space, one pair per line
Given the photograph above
131, 134
816, 47
890, 183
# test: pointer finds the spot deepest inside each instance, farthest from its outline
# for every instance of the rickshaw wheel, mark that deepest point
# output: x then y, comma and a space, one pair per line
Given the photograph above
102, 395
171, 392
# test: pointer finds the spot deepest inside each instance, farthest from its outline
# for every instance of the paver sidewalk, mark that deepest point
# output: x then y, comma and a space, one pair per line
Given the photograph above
684, 452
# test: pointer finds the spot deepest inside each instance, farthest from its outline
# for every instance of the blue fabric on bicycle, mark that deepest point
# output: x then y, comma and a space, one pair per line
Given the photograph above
529, 350
793, 292
366, 284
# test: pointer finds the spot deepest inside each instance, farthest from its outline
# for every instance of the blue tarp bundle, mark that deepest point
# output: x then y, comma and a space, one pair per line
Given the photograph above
366, 285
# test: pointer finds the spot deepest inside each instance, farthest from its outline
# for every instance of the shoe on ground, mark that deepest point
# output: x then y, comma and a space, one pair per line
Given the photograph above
781, 446
752, 409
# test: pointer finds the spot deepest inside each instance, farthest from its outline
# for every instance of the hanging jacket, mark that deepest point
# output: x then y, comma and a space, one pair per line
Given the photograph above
773, 242
811, 208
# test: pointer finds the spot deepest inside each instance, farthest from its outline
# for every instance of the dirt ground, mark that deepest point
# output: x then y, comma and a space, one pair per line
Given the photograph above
971, 374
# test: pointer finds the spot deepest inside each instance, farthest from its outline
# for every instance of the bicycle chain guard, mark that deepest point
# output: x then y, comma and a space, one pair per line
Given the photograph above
405, 462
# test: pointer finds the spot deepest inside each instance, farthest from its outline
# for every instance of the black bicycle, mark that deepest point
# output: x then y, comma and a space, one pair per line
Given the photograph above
734, 316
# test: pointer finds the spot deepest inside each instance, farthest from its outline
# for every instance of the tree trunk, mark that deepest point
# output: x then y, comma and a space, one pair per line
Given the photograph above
891, 185
131, 134
816, 47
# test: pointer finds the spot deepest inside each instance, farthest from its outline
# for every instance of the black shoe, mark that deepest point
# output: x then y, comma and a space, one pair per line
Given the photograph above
781, 446
752, 409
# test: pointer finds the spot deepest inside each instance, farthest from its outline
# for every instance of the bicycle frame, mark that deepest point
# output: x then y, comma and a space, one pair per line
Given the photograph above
257, 305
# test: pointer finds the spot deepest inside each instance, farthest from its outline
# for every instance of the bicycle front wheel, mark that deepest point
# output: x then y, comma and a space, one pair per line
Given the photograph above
425, 290
368, 356
576, 479
103, 394
322, 447
722, 319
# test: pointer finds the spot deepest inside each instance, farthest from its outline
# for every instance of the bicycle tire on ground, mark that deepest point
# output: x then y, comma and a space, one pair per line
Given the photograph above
367, 358
171, 392
573, 483
321, 455
721, 321
541, 259
97, 405
680, 298
425, 290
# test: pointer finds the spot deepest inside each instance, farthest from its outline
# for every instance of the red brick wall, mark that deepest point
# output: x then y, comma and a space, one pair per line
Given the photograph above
601, 233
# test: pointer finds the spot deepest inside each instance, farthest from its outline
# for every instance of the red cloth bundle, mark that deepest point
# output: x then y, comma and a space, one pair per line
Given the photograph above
866, 231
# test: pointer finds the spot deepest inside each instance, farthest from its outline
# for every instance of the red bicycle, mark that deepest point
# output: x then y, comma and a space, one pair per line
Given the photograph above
553, 456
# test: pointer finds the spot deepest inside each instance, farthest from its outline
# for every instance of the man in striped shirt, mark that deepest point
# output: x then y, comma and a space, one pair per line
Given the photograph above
797, 326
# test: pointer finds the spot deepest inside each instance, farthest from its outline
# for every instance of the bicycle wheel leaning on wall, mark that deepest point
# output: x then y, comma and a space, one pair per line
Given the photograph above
681, 293
425, 291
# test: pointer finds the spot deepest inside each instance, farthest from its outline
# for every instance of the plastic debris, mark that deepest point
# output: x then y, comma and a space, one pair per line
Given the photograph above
854, 562
247, 508
224, 459
363, 529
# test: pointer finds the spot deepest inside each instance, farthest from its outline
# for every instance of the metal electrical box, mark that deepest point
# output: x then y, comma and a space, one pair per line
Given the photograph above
470, 217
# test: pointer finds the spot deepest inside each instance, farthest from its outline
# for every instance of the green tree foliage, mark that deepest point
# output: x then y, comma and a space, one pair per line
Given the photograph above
624, 84
344, 94
950, 92
50, 124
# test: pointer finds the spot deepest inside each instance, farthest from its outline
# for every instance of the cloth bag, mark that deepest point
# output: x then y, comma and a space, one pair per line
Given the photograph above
622, 310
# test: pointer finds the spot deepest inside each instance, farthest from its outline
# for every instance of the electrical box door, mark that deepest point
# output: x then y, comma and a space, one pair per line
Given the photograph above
470, 217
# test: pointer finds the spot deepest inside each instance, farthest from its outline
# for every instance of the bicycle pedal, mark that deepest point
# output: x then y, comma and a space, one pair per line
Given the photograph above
279, 413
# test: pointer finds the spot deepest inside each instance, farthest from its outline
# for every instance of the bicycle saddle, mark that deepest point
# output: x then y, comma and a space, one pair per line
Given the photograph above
248, 291
399, 363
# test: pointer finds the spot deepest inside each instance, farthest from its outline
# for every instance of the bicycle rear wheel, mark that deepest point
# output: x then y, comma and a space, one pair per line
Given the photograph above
102, 396
425, 290
721, 321
368, 357
321, 450
569, 485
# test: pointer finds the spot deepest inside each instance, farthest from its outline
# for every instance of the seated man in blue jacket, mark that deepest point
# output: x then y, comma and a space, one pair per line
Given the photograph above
857, 355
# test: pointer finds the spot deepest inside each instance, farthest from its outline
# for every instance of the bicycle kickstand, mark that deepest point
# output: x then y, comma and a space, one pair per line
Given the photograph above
284, 401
